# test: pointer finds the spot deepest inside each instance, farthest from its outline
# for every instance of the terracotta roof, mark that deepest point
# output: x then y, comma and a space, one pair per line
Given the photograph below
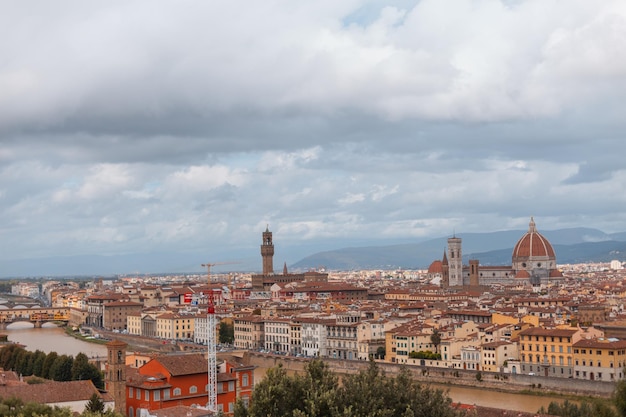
435, 268
541, 331
601, 343
52, 392
178, 365
533, 244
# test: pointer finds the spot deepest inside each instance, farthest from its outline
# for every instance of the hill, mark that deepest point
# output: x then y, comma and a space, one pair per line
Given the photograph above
573, 245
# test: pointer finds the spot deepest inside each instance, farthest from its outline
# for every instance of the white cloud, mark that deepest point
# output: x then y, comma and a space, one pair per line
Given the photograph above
138, 126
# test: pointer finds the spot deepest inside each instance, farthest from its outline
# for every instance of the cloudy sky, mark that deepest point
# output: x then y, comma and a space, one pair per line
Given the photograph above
141, 126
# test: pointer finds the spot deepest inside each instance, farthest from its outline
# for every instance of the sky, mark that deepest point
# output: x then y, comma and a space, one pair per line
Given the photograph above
166, 126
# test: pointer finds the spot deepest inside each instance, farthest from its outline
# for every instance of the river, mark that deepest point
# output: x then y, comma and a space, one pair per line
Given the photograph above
54, 339
50, 338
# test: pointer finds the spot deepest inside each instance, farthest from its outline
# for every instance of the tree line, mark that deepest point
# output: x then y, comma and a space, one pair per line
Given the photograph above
14, 407
50, 366
594, 407
369, 393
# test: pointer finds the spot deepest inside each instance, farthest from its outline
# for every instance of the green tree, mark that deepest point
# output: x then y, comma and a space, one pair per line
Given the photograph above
61, 369
227, 332
95, 404
83, 370
276, 395
595, 408
319, 386
47, 364
80, 367
38, 362
380, 352
619, 397
14, 407
369, 393
435, 339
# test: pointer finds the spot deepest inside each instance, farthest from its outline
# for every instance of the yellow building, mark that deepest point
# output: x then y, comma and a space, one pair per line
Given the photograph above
494, 354
599, 359
249, 332
410, 337
175, 326
548, 352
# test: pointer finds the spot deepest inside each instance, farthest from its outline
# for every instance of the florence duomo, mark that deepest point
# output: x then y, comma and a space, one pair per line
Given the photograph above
533, 262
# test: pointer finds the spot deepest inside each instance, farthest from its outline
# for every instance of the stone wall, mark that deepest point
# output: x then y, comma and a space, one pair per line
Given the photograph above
489, 380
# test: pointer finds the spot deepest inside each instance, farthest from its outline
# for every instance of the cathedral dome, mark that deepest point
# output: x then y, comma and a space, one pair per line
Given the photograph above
435, 268
533, 251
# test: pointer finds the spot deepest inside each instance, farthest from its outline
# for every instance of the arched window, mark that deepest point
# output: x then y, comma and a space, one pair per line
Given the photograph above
176, 391
131, 412
193, 389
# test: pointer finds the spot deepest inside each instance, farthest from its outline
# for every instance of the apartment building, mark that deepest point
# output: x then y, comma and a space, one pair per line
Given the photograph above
249, 332
548, 352
370, 336
175, 326
278, 335
494, 355
114, 314
599, 359
341, 337
314, 332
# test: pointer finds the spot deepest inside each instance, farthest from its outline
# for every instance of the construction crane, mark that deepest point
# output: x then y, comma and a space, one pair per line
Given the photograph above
212, 341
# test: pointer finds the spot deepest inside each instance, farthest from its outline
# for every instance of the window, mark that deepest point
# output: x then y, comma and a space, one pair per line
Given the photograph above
147, 395
156, 396
131, 412
193, 389
138, 394
130, 392
244, 380
176, 391
231, 386
166, 393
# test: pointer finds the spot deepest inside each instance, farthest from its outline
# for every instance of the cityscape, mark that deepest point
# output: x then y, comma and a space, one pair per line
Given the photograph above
532, 323
356, 208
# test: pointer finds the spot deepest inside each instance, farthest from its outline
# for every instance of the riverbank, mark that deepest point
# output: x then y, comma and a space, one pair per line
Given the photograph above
523, 384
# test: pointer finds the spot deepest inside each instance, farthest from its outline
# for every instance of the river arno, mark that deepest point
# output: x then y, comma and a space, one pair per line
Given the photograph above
54, 339
51, 338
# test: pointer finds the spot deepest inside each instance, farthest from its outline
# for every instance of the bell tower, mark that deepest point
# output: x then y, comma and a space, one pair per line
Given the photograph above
267, 252
455, 258
115, 376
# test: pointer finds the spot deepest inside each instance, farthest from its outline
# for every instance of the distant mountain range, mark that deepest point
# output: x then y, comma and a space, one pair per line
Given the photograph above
571, 246
576, 245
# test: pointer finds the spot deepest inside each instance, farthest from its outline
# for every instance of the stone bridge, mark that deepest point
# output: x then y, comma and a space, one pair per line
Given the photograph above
36, 315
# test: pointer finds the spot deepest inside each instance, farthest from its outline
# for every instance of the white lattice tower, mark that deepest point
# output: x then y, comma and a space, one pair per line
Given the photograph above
212, 355
211, 348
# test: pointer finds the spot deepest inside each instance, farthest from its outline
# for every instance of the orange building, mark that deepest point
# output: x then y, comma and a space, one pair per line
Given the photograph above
181, 379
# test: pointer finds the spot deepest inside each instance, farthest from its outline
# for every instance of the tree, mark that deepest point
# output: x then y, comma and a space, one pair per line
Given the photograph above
95, 404
47, 364
40, 357
227, 332
435, 339
380, 352
276, 395
619, 397
595, 407
369, 393
61, 369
